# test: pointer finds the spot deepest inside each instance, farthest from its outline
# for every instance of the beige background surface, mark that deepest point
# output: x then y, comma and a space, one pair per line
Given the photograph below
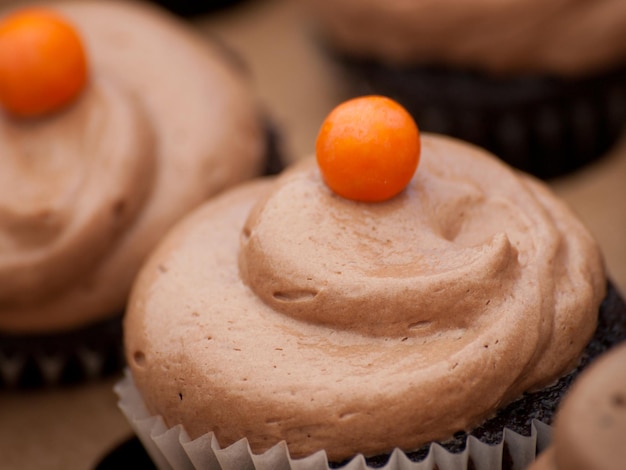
73, 428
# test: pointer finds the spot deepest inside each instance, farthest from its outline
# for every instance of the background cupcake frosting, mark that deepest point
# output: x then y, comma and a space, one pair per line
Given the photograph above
564, 37
539, 84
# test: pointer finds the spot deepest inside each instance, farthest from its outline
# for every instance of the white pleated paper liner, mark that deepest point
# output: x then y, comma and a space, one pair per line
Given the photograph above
172, 449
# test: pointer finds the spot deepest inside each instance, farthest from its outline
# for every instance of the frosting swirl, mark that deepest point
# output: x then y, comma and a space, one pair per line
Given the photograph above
432, 252
86, 193
76, 183
564, 37
354, 327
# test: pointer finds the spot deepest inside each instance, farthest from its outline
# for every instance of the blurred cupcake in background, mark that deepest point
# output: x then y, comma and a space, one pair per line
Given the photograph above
542, 84
590, 427
116, 120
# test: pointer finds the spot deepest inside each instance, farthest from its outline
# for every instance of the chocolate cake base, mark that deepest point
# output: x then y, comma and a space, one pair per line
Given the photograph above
544, 125
541, 405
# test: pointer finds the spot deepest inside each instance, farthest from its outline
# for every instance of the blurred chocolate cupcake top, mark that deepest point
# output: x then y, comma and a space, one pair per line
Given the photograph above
157, 122
562, 37
590, 427
388, 317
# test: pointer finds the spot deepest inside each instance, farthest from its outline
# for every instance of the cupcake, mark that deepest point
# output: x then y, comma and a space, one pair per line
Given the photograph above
116, 120
540, 84
354, 308
590, 427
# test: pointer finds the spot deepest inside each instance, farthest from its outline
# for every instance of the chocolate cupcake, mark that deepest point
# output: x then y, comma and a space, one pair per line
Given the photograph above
282, 321
541, 85
159, 121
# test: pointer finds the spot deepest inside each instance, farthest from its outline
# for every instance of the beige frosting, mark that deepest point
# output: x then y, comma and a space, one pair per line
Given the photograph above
568, 37
281, 311
590, 426
164, 123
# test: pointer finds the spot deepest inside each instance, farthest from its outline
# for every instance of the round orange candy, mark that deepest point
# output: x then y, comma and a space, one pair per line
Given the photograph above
43, 64
368, 149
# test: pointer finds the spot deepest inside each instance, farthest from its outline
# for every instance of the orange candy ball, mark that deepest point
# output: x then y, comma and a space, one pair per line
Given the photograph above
43, 64
368, 149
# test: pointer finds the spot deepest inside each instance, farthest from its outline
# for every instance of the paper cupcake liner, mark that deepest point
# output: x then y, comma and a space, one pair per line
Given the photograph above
32, 361
543, 125
172, 449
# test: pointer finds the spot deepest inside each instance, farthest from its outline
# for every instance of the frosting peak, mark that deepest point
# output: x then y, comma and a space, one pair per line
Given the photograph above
449, 252
379, 268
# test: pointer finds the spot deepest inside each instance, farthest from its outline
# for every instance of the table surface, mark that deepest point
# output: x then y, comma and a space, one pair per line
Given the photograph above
72, 428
